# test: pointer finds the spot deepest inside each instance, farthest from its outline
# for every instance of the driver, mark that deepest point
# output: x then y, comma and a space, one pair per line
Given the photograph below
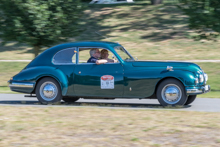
95, 55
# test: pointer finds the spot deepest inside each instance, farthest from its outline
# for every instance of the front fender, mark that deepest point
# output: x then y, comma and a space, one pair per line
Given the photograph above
35, 73
186, 77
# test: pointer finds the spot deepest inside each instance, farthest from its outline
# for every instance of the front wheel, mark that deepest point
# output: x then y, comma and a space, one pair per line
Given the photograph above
190, 99
171, 92
48, 91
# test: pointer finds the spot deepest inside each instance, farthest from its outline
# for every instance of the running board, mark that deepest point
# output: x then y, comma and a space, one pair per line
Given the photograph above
30, 95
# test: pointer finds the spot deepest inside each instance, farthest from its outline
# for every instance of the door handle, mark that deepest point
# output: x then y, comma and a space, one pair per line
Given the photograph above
79, 72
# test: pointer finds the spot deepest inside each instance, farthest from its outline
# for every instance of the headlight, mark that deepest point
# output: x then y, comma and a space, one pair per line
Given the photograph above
206, 77
201, 78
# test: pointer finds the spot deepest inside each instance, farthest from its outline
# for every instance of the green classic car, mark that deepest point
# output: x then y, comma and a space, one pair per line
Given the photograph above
62, 73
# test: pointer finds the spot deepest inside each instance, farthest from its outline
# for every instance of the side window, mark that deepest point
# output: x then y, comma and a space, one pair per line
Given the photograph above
65, 56
84, 55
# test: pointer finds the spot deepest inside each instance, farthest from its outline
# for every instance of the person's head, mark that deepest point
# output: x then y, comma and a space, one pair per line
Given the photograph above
104, 54
95, 53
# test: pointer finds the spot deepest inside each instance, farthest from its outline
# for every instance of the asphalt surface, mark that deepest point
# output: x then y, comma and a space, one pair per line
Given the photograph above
200, 104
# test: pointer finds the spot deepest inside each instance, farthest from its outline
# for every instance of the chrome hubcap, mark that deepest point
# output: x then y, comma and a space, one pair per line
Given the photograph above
171, 94
48, 91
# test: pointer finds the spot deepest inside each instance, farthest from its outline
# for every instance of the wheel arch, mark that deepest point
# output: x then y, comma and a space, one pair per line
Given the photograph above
60, 79
46, 76
163, 79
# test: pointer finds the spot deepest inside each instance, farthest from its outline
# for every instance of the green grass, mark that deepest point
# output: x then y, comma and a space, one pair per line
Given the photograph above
9, 69
213, 71
5, 89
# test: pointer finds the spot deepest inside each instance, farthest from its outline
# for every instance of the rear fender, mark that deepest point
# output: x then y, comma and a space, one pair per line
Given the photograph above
34, 74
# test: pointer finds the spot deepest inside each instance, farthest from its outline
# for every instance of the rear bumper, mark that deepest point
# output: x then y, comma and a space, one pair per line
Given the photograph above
198, 90
18, 86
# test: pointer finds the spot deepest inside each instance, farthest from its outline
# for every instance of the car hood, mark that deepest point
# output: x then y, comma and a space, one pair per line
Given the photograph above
188, 66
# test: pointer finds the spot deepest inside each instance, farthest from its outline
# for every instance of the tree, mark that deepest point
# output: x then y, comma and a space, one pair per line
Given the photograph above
39, 23
155, 2
203, 17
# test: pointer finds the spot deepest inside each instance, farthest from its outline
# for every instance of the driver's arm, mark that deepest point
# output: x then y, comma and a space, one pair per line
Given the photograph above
102, 61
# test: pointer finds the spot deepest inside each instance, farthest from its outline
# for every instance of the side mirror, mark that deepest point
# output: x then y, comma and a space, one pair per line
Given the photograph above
136, 58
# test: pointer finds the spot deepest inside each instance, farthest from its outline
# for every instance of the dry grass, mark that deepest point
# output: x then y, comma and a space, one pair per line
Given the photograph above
57, 126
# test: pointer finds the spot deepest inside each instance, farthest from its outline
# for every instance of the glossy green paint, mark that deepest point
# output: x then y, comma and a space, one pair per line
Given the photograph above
35, 73
142, 77
137, 79
87, 82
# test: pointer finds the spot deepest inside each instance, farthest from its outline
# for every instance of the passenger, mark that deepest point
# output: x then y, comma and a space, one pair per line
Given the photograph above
95, 55
104, 55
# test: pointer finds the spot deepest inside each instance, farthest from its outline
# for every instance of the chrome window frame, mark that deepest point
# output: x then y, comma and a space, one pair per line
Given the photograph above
125, 51
75, 48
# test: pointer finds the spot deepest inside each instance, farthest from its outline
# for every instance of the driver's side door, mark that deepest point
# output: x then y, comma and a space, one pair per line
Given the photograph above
105, 80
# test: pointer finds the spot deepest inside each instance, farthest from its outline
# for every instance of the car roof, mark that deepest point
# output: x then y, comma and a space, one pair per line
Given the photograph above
45, 57
90, 43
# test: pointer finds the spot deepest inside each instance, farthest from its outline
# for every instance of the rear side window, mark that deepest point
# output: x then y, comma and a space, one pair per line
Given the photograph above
66, 56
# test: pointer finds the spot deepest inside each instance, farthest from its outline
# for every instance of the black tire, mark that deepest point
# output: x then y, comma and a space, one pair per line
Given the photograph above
70, 99
170, 86
48, 91
190, 99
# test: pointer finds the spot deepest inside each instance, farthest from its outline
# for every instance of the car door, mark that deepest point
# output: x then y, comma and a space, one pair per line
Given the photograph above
65, 61
105, 80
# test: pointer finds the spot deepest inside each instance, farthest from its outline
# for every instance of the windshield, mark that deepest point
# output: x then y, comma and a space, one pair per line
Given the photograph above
123, 53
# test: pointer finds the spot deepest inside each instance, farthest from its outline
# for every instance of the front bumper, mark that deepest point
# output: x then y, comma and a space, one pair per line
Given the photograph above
198, 90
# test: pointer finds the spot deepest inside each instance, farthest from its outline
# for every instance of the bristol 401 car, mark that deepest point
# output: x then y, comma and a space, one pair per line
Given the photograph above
62, 73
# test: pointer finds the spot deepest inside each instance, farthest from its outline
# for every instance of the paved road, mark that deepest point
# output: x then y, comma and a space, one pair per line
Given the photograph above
200, 104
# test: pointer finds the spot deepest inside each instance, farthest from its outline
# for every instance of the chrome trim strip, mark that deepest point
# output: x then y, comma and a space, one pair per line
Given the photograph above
21, 85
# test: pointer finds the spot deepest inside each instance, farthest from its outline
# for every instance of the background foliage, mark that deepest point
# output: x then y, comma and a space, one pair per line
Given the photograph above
204, 16
39, 23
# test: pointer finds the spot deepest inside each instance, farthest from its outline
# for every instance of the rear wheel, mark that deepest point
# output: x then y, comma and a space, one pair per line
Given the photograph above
48, 91
190, 99
70, 99
171, 92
